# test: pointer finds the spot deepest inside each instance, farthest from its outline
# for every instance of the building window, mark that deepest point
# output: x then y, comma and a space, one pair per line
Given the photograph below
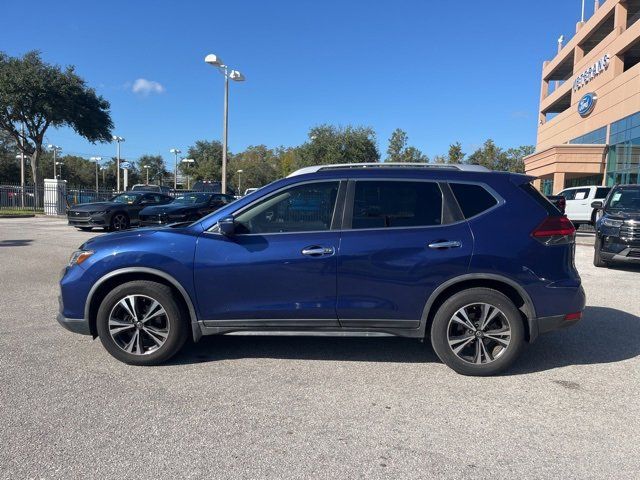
623, 164
597, 137
546, 186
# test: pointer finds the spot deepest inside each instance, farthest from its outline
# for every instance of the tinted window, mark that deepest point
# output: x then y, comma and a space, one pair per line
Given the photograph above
568, 194
302, 208
580, 194
602, 192
541, 199
396, 204
473, 199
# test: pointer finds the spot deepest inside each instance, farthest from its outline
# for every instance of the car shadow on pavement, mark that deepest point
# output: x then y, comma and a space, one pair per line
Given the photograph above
15, 243
605, 335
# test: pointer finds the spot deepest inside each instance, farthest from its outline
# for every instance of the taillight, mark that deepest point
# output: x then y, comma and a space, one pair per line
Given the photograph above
554, 231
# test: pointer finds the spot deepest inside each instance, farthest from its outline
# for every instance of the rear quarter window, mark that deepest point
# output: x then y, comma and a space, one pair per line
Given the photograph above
473, 199
541, 200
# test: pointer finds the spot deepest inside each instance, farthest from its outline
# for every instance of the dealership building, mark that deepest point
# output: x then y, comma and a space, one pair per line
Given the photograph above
589, 115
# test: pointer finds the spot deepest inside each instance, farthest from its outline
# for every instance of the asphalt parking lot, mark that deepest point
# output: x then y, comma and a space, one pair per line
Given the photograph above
267, 407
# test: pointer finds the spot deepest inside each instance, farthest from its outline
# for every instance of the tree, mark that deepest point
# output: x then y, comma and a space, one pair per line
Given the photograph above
397, 144
9, 166
514, 158
329, 144
208, 160
259, 166
456, 155
38, 96
398, 151
495, 158
156, 170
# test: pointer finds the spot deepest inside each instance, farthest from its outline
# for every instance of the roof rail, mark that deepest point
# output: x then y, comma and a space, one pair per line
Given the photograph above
435, 166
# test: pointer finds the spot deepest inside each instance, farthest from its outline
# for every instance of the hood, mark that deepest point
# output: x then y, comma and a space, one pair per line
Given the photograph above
112, 239
92, 207
169, 208
622, 215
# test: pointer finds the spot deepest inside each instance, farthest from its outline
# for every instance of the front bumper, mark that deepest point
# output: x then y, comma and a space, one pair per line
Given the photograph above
627, 255
89, 221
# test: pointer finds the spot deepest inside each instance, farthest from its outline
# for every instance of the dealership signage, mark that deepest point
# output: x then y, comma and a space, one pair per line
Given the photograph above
586, 104
592, 72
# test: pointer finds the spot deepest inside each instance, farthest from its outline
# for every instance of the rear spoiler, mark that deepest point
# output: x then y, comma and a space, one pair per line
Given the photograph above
520, 178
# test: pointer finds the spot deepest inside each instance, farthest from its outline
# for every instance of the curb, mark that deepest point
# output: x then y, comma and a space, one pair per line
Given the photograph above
18, 215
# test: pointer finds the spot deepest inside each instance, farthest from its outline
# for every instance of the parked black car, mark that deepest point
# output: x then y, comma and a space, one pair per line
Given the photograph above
618, 229
119, 213
140, 187
187, 207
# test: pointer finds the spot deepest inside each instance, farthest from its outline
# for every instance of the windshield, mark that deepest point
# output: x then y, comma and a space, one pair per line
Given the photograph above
192, 198
625, 199
125, 198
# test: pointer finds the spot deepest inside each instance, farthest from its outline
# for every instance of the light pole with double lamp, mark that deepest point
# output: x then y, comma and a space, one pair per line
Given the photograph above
97, 161
147, 167
188, 162
118, 140
236, 76
239, 172
55, 149
175, 151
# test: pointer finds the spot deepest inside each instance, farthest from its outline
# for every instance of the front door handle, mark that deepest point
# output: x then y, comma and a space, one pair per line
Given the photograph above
317, 251
443, 245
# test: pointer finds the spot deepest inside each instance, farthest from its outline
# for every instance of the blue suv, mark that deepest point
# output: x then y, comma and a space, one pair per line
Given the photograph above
478, 262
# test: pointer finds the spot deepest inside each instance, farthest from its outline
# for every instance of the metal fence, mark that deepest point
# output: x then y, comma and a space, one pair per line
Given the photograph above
33, 199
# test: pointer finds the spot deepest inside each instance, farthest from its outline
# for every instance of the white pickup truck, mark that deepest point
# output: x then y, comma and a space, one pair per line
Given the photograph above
579, 199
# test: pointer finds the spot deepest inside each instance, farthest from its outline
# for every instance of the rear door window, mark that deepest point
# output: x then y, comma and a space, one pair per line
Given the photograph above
568, 194
473, 199
581, 194
395, 203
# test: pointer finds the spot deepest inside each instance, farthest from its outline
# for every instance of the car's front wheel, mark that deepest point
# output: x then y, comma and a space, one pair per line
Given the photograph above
119, 221
140, 323
478, 332
597, 255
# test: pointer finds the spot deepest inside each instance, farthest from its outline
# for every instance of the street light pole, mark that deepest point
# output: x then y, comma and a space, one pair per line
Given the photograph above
55, 149
118, 140
234, 75
22, 165
96, 160
188, 161
239, 184
175, 151
147, 167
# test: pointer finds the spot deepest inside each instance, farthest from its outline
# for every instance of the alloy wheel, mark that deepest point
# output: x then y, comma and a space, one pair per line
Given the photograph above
479, 333
138, 324
119, 222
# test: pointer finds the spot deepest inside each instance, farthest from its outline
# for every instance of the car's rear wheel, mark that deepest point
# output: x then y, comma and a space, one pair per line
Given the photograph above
478, 332
597, 255
140, 323
119, 221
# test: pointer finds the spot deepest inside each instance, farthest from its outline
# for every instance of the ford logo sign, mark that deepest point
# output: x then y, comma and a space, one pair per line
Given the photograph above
587, 104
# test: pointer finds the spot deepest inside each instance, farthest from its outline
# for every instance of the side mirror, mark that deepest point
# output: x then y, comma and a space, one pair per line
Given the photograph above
227, 226
597, 204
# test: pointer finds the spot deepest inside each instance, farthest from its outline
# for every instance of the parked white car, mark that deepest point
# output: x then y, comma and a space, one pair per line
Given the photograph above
579, 199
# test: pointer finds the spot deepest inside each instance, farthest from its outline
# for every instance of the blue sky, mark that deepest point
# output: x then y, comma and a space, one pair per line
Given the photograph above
443, 71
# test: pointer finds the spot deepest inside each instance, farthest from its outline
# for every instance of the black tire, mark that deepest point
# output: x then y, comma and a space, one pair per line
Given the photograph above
85, 229
594, 216
150, 354
500, 357
119, 221
597, 257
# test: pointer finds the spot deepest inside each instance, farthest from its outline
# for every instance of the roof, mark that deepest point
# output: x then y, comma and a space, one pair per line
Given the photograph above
393, 165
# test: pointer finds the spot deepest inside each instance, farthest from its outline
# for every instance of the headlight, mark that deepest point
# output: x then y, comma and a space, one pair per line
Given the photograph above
608, 222
79, 256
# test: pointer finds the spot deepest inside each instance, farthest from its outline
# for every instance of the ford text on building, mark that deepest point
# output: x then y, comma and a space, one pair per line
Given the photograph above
589, 115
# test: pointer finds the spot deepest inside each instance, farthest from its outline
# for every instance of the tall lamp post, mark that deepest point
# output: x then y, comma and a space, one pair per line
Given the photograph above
118, 140
236, 76
188, 162
60, 170
175, 151
147, 167
55, 149
97, 161
239, 184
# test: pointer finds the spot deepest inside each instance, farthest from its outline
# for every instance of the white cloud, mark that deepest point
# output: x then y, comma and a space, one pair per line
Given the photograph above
145, 87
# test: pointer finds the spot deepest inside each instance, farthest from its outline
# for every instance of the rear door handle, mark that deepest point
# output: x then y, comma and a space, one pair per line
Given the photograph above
443, 245
317, 251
